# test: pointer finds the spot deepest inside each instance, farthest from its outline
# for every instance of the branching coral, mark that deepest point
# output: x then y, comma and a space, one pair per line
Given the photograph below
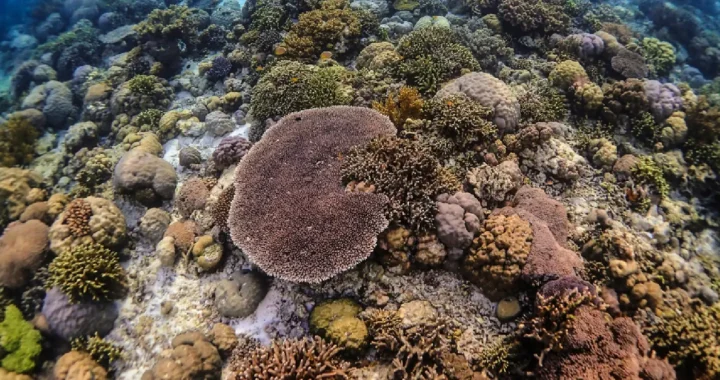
432, 56
170, 25
88, 272
407, 173
333, 26
17, 142
20, 342
487, 47
540, 102
648, 173
102, 351
660, 54
406, 104
298, 359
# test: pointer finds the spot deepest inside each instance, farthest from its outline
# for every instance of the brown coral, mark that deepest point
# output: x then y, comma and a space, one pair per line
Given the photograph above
293, 359
192, 358
220, 210
77, 217
106, 224
77, 365
184, 233
22, 251
291, 214
192, 196
499, 254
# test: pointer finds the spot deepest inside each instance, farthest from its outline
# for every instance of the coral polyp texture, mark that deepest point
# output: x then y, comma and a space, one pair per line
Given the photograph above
359, 189
304, 226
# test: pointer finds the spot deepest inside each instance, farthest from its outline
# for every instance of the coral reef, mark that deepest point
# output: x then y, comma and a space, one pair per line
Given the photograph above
106, 226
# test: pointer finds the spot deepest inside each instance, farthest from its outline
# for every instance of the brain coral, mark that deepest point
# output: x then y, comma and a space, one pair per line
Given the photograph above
22, 250
490, 92
106, 227
291, 215
139, 171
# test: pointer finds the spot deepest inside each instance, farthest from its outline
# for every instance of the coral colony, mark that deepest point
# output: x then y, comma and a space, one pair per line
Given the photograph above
359, 189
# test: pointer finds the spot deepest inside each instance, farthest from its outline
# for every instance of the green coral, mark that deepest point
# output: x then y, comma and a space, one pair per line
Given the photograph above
88, 272
321, 29
292, 86
566, 73
587, 96
407, 172
337, 320
149, 120
268, 15
174, 23
82, 32
647, 172
643, 126
539, 15
540, 102
17, 142
143, 84
660, 54
690, 340
20, 342
432, 56
101, 350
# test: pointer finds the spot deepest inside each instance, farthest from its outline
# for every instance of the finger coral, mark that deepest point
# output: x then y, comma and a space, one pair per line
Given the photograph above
301, 196
660, 54
88, 272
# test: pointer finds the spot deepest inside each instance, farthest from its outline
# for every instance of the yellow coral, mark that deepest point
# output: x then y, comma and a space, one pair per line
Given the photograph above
566, 73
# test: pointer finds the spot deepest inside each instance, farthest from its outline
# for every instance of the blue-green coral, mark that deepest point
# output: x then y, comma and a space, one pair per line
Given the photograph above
20, 342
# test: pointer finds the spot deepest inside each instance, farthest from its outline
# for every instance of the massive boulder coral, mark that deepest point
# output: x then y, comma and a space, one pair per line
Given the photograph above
98, 221
15, 185
299, 223
230, 151
663, 98
192, 357
54, 99
78, 365
458, 220
490, 92
22, 251
70, 320
148, 177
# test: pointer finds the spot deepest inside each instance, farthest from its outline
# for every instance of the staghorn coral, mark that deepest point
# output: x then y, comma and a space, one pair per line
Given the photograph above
18, 138
142, 92
406, 104
543, 15
334, 25
292, 86
101, 351
490, 92
19, 341
300, 359
88, 272
406, 172
347, 223
431, 56
648, 173
78, 365
498, 255
22, 251
107, 227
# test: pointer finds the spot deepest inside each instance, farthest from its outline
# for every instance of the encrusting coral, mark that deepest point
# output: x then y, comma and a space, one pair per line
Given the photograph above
344, 229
